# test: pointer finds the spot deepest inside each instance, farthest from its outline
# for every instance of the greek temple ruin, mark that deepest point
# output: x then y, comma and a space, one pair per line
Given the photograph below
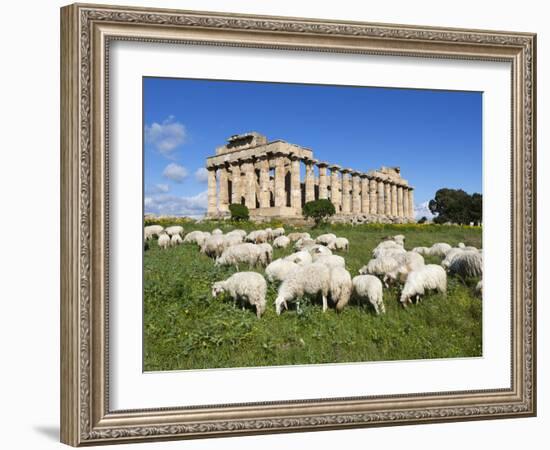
267, 178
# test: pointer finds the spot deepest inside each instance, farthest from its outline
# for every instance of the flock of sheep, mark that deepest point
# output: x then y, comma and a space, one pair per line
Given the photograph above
313, 270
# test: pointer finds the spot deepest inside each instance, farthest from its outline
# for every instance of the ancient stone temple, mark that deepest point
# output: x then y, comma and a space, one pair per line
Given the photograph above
267, 178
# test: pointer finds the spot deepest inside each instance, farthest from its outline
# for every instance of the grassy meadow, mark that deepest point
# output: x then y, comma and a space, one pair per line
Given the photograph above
185, 328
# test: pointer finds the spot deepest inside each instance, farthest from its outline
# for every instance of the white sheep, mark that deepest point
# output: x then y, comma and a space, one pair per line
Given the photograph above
244, 286
266, 252
340, 243
325, 239
400, 239
281, 242
295, 236
340, 287
429, 277
237, 232
175, 240
277, 232
386, 248
195, 237
213, 246
240, 254
331, 261
231, 239
450, 256
312, 279
369, 287
151, 230
257, 237
269, 233
217, 231
467, 264
440, 249
301, 258
164, 240
174, 229
380, 266
317, 250
279, 270
421, 250
408, 262
303, 242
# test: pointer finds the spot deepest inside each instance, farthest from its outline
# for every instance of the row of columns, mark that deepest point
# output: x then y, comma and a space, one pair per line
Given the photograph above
351, 193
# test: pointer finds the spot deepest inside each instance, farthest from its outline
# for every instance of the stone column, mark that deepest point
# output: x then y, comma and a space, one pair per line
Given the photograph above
356, 193
223, 196
364, 194
323, 179
295, 185
380, 192
406, 212
236, 182
280, 194
346, 194
394, 200
411, 204
335, 188
263, 165
399, 201
249, 184
372, 195
310, 180
212, 200
387, 198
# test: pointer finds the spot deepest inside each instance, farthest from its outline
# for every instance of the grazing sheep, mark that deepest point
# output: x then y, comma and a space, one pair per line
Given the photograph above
175, 229
244, 286
295, 236
400, 239
175, 240
325, 239
317, 250
408, 262
450, 256
421, 250
467, 264
313, 279
301, 258
237, 232
231, 239
269, 233
164, 240
479, 288
281, 242
340, 287
331, 261
195, 237
277, 232
213, 246
380, 266
369, 287
471, 248
339, 243
280, 269
303, 242
266, 252
440, 249
429, 277
257, 237
387, 247
151, 230
217, 231
249, 254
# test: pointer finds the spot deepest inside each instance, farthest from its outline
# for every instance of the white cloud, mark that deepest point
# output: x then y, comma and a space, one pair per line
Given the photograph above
175, 172
201, 175
157, 189
172, 205
421, 210
165, 136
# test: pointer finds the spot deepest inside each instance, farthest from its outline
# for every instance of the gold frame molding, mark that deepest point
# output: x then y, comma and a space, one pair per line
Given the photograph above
86, 31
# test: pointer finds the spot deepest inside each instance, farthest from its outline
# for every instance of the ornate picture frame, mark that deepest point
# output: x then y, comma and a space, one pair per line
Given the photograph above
86, 34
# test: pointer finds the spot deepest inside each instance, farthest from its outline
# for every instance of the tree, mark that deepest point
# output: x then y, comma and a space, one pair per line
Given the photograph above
319, 210
239, 212
457, 206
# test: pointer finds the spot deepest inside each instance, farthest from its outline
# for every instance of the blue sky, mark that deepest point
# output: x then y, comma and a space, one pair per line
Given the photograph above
434, 136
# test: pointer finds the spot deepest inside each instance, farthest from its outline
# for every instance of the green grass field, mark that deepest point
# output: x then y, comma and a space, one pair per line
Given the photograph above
185, 328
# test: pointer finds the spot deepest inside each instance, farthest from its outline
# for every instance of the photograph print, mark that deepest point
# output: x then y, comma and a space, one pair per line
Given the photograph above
297, 224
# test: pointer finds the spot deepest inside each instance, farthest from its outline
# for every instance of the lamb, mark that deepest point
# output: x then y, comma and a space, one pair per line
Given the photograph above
302, 258
164, 240
313, 279
266, 253
173, 230
280, 269
421, 250
331, 261
213, 246
244, 286
175, 240
440, 249
295, 236
151, 230
325, 239
340, 287
247, 253
277, 232
339, 243
303, 242
369, 287
281, 242
467, 264
429, 277
217, 231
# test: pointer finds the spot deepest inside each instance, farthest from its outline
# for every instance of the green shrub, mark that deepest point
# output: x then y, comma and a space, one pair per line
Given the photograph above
238, 212
319, 210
